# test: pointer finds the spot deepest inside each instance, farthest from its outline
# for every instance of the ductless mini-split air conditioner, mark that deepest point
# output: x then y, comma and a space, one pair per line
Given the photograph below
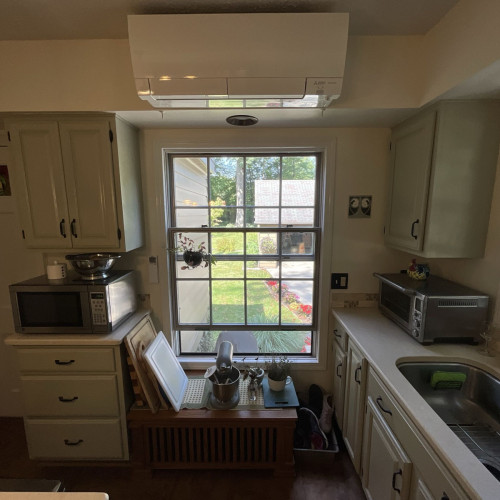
238, 60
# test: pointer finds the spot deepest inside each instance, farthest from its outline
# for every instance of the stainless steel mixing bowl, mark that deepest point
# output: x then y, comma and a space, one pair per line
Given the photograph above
92, 266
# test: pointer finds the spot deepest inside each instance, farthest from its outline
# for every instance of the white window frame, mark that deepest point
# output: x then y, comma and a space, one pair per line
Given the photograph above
159, 143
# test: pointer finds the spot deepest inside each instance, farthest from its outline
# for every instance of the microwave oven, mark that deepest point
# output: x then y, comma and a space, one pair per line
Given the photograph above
433, 310
73, 305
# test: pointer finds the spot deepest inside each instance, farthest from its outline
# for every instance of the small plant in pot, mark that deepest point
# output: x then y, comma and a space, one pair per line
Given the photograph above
193, 255
278, 370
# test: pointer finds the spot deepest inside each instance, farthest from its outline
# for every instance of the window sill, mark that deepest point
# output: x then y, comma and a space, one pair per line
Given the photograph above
202, 363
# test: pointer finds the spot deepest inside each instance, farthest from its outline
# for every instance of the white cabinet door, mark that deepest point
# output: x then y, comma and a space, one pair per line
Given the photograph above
339, 383
78, 182
386, 471
40, 184
354, 404
411, 148
443, 167
88, 166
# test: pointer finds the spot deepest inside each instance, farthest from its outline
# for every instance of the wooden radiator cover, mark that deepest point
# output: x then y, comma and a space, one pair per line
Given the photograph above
213, 439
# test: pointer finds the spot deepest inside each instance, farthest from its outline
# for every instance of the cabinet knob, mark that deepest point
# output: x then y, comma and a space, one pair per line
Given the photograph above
356, 372
62, 228
67, 400
413, 228
398, 473
379, 403
59, 362
67, 442
73, 228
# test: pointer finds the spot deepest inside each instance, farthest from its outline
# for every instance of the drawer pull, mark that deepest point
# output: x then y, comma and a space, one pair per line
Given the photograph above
67, 400
358, 369
379, 403
339, 375
67, 442
338, 335
398, 473
59, 362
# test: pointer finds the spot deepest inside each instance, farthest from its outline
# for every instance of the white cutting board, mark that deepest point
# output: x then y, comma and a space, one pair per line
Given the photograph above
167, 369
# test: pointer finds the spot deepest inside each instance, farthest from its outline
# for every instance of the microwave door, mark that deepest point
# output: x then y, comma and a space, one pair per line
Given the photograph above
397, 305
41, 309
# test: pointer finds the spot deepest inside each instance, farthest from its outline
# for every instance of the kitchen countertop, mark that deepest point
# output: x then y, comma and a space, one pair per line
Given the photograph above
58, 339
385, 344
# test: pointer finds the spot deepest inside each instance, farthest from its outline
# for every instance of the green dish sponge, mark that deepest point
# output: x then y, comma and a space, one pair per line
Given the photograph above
447, 380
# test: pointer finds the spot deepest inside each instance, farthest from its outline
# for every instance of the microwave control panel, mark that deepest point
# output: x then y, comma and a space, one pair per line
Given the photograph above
98, 308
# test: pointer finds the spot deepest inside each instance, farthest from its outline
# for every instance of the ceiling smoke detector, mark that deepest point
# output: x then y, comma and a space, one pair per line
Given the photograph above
242, 120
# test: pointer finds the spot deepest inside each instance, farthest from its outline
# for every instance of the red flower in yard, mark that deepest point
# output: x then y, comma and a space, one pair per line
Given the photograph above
306, 309
272, 283
307, 345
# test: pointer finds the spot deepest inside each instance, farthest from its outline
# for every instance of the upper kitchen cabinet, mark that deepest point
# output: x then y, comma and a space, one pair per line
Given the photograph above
443, 164
77, 179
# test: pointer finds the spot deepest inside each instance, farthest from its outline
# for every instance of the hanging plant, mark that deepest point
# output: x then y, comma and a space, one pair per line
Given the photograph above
193, 255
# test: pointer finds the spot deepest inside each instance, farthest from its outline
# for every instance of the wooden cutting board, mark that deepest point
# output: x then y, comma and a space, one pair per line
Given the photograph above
143, 381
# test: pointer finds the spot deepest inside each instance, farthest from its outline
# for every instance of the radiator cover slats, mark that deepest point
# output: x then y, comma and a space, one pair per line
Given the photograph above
213, 445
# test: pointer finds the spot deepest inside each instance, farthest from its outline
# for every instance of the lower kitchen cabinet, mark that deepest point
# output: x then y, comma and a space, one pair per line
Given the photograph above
339, 371
75, 400
354, 404
386, 468
388, 452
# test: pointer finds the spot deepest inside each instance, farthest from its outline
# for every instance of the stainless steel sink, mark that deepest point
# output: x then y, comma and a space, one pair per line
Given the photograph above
471, 409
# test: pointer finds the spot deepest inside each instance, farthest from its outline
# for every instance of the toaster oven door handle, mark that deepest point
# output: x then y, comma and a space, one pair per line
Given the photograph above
407, 291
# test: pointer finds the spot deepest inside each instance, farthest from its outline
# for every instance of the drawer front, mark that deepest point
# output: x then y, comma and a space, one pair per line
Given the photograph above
71, 396
66, 360
385, 403
340, 334
74, 439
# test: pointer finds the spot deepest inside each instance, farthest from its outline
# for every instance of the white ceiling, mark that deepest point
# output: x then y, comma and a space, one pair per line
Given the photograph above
94, 19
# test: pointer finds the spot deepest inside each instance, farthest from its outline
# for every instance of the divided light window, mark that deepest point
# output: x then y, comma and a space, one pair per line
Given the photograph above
258, 215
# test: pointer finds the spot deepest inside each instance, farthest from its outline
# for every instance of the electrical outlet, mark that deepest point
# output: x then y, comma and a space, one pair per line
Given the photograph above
340, 281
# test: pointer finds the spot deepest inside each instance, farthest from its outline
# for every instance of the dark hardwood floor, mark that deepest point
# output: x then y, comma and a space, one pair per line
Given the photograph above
319, 478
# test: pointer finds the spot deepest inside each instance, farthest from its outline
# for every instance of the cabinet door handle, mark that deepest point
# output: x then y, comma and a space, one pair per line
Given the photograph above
379, 403
358, 370
73, 229
67, 400
398, 473
413, 228
338, 335
338, 374
62, 228
58, 362
67, 442
445, 496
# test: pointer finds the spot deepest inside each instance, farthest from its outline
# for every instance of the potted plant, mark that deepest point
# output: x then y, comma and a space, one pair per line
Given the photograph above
278, 370
193, 255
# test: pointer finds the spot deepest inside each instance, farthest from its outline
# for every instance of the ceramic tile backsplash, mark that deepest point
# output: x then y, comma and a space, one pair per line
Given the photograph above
353, 299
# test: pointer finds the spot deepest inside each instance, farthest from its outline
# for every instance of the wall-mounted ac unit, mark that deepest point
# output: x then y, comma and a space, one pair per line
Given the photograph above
238, 60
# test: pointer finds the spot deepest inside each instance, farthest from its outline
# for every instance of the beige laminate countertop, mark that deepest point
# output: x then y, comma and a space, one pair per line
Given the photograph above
385, 344
58, 339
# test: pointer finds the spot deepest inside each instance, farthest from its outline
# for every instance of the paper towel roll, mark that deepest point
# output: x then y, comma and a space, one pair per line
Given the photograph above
56, 271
